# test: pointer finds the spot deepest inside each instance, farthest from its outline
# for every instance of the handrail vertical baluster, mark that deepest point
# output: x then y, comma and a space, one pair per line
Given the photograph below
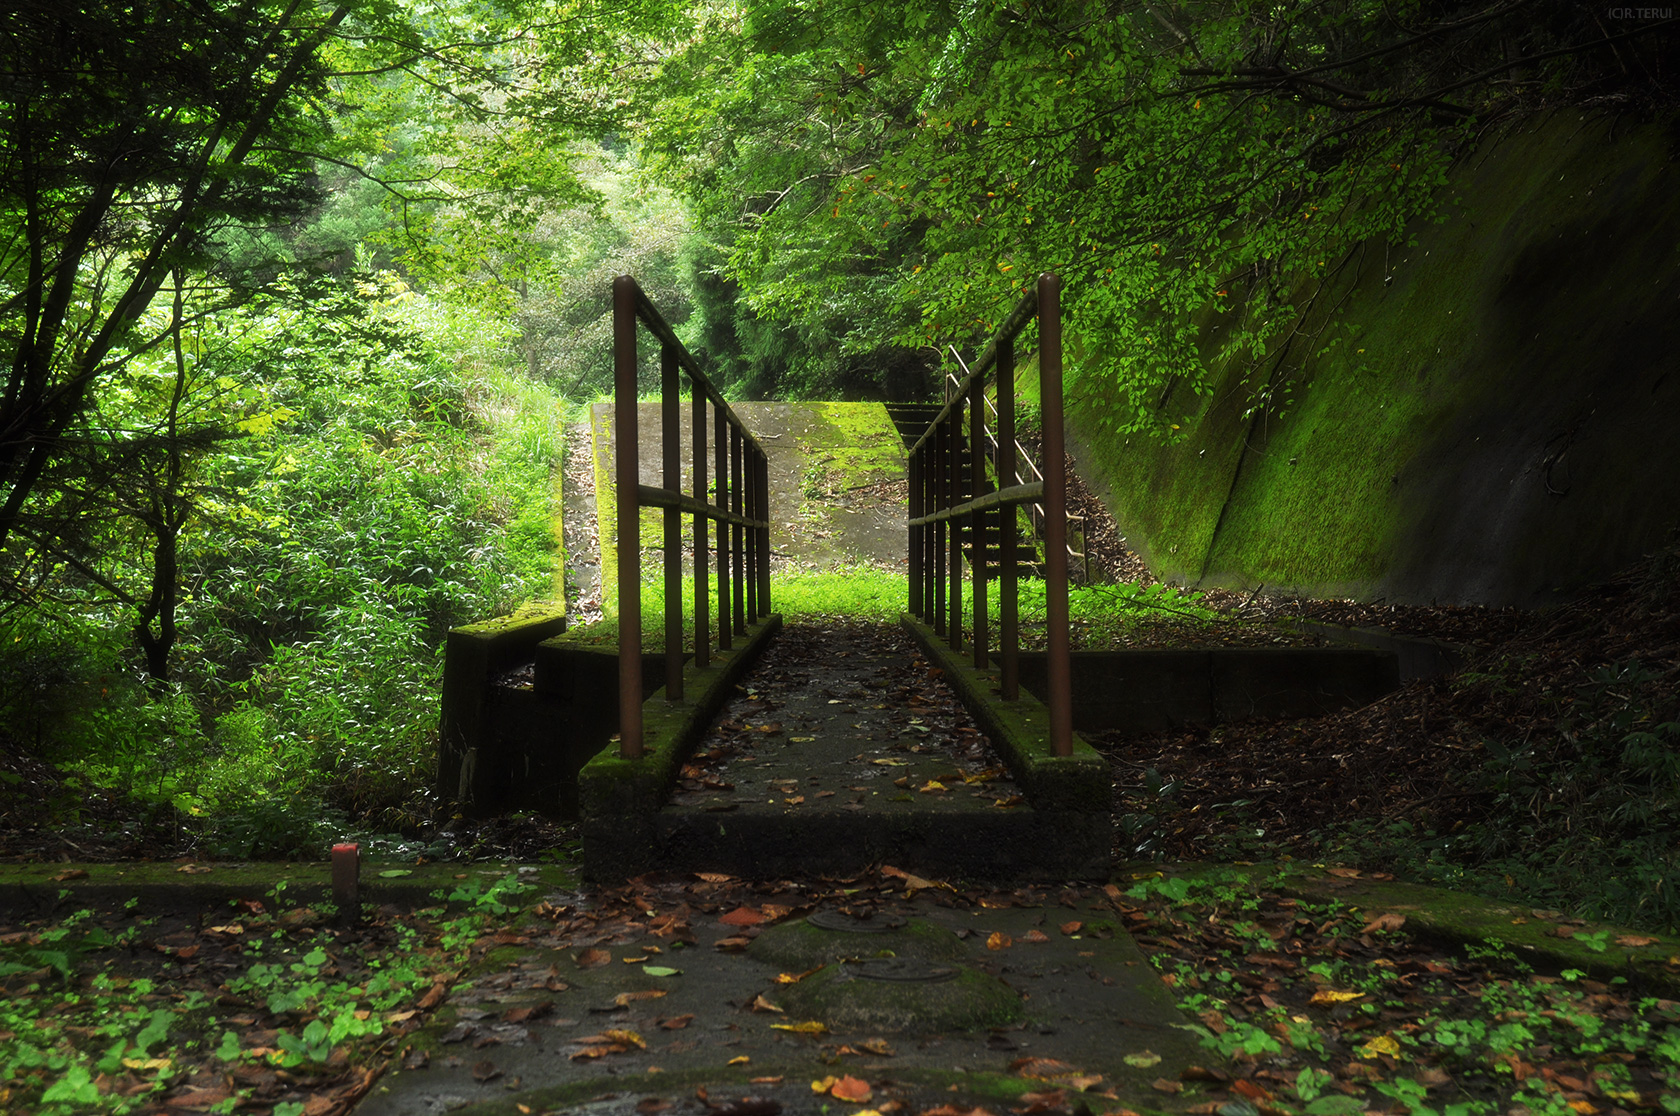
1009, 617
702, 613
726, 630
941, 500
764, 534
737, 540
670, 431
1059, 679
976, 520
914, 477
749, 508
953, 471
629, 520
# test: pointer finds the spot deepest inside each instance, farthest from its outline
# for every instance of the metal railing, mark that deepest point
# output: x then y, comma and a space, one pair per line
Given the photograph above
1035, 510
741, 511
944, 504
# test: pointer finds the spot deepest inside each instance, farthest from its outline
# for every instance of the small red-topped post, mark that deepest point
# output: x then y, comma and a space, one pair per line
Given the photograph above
346, 881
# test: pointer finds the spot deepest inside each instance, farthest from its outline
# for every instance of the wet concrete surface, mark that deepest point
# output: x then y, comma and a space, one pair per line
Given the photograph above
844, 749
553, 1024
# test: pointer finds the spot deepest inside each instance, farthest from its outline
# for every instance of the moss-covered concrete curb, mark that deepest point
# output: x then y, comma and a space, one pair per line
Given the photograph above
36, 888
618, 797
1020, 730
1455, 919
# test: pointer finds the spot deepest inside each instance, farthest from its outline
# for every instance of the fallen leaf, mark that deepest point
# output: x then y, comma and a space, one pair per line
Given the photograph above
932, 786
77, 874
795, 978
810, 1027
629, 1038
232, 929
733, 945
1042, 1102
144, 1064
593, 959
625, 999
890, 763
1042, 1069
877, 1046
759, 1003
676, 1022
1035, 936
1344, 873
801, 739
660, 971
524, 1014
1167, 1085
1330, 996
1143, 1059
485, 1071
742, 916
997, 939
1250, 1090
651, 1106
823, 1084
1071, 928
1382, 1044
852, 1090
195, 869
738, 1060
1388, 921
714, 877
1636, 941
599, 1050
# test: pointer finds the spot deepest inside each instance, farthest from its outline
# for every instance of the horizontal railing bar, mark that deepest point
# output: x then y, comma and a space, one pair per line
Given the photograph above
1017, 321
1003, 497
648, 496
655, 321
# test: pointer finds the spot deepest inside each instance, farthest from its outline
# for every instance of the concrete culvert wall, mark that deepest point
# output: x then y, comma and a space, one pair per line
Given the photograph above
1496, 422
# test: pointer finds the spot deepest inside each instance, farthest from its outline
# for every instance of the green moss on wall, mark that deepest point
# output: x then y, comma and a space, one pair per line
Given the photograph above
1489, 420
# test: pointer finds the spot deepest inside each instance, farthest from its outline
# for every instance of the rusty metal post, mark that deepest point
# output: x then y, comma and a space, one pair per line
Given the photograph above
702, 611
764, 534
953, 468
940, 502
977, 520
720, 429
749, 535
625, 466
737, 572
913, 549
670, 433
1009, 606
1059, 679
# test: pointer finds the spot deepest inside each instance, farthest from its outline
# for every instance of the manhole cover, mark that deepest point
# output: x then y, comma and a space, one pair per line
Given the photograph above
847, 924
906, 970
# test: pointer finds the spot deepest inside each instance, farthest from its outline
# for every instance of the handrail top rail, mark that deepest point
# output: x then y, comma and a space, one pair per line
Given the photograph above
657, 325
1024, 311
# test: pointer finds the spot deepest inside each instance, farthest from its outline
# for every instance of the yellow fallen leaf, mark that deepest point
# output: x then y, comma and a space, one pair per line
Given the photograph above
890, 763
1331, 996
629, 1037
146, 1063
999, 940
1382, 1044
738, 1060
795, 978
932, 786
1142, 1060
1584, 1107
809, 1027
823, 1084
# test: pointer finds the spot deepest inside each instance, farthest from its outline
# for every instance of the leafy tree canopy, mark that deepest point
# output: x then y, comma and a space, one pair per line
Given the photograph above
898, 179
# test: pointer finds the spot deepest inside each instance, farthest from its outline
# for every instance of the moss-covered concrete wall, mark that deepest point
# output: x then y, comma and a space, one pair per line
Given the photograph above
1500, 423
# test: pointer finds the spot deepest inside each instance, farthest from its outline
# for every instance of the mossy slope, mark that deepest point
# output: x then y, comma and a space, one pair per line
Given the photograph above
1493, 423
